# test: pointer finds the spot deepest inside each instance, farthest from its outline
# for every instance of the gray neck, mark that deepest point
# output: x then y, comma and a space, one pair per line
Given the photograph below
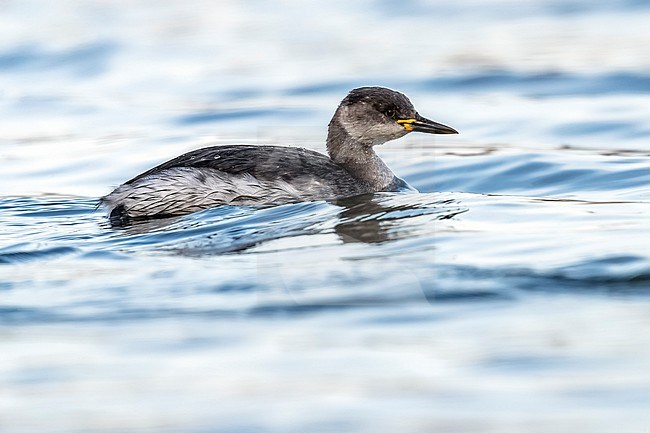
358, 158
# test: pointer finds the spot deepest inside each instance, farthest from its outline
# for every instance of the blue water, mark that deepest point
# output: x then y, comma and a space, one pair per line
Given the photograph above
510, 295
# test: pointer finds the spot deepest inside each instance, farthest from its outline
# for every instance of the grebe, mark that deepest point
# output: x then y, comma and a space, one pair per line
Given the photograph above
272, 175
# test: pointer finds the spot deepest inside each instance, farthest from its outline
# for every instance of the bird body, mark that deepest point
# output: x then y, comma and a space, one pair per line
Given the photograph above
272, 175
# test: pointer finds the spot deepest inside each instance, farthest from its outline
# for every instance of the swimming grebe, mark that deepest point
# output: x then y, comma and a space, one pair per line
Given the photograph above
272, 175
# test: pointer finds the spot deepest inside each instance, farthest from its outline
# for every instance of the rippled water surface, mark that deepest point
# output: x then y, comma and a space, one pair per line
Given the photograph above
509, 295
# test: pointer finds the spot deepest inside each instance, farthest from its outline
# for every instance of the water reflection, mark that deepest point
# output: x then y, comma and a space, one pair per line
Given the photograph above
371, 218
377, 219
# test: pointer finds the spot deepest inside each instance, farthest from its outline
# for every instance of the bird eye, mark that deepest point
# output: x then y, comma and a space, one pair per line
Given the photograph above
390, 113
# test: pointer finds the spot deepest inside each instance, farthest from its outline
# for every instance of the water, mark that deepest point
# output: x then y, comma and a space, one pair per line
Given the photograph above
510, 295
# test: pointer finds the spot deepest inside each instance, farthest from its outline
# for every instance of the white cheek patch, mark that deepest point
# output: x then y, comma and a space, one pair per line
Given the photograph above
385, 132
367, 133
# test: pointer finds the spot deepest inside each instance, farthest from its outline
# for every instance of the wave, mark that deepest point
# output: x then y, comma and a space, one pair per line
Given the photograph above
531, 84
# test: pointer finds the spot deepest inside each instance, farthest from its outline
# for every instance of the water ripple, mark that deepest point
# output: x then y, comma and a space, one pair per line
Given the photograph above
86, 60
